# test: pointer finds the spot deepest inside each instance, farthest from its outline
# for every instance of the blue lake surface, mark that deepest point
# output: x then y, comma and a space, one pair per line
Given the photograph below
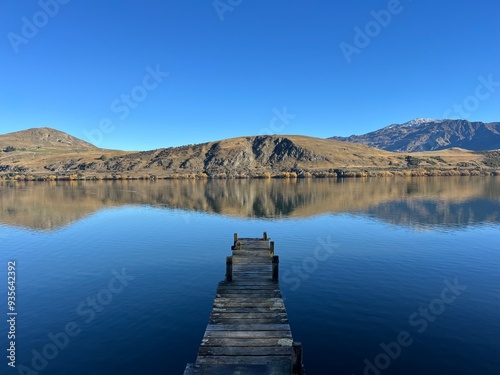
362, 262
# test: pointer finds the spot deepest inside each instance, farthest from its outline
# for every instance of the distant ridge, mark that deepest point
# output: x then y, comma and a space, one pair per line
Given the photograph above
429, 135
42, 138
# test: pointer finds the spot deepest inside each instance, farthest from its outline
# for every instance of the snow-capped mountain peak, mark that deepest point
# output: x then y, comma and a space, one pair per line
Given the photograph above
418, 121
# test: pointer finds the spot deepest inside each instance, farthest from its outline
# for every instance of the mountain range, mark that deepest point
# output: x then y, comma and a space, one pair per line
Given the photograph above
45, 153
430, 135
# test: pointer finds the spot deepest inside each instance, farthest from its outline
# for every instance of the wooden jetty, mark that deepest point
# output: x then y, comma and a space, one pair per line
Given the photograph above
248, 331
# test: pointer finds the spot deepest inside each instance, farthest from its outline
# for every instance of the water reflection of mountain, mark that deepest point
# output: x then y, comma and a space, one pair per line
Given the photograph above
444, 201
429, 213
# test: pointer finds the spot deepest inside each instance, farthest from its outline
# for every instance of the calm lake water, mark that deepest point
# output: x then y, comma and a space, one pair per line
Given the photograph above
130, 270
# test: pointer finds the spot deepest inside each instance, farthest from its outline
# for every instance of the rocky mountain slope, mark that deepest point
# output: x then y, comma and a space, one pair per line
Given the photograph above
243, 156
429, 135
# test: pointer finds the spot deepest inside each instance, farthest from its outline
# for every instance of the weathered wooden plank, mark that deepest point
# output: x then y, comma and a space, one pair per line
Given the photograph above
248, 315
252, 276
248, 334
252, 256
249, 327
250, 281
259, 290
250, 285
226, 321
254, 240
248, 310
244, 350
233, 307
241, 288
246, 297
248, 341
240, 266
253, 270
231, 369
243, 299
262, 247
249, 276
258, 250
260, 257
265, 287
236, 290
249, 306
250, 293
243, 262
254, 244
256, 294
249, 360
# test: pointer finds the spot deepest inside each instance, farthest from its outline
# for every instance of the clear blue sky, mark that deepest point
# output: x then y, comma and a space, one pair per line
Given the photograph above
233, 71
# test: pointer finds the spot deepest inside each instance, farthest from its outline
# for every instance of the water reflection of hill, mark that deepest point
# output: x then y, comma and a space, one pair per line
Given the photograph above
444, 201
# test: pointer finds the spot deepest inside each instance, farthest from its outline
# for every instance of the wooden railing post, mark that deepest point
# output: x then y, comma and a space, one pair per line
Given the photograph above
265, 236
271, 248
235, 238
297, 358
229, 268
276, 261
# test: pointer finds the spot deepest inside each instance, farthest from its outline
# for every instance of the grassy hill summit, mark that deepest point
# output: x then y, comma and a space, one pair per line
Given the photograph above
42, 138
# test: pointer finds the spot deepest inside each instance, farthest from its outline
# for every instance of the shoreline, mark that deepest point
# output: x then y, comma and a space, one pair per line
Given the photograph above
287, 175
